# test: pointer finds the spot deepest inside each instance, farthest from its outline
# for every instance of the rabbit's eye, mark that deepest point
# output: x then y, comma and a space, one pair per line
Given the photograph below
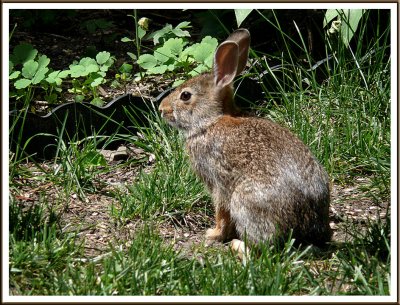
185, 96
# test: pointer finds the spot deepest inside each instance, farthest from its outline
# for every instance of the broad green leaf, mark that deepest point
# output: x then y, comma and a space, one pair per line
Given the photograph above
158, 69
97, 82
350, 25
97, 102
160, 34
141, 33
131, 55
79, 98
102, 57
63, 74
147, 61
22, 53
14, 74
198, 70
175, 45
205, 50
125, 68
180, 33
77, 71
29, 69
53, 77
171, 67
91, 68
163, 54
40, 75
86, 61
241, 15
177, 83
329, 16
43, 61
183, 25
187, 54
10, 66
22, 83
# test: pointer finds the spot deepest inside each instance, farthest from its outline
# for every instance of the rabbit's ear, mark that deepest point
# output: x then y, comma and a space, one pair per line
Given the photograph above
225, 63
242, 38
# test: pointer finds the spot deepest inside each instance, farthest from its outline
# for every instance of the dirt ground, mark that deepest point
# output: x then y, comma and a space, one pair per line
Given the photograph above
92, 220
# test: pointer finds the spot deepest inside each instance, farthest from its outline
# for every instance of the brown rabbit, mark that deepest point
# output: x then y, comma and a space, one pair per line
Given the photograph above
263, 180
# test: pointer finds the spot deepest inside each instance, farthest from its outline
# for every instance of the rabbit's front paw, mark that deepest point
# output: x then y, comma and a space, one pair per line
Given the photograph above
214, 235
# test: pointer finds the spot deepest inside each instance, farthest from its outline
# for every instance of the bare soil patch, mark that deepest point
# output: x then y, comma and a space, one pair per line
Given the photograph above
91, 218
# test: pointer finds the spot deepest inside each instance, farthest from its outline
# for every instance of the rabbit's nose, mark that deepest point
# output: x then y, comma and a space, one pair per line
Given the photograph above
164, 108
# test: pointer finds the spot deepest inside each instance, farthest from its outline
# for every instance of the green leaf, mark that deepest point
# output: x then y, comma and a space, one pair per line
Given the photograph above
329, 16
126, 39
53, 78
14, 74
177, 83
147, 61
205, 50
79, 98
87, 61
180, 33
10, 66
163, 54
23, 53
131, 55
141, 33
158, 69
40, 75
22, 83
97, 82
175, 45
77, 71
29, 69
198, 70
241, 15
183, 25
97, 102
43, 61
125, 68
160, 34
63, 74
353, 17
103, 57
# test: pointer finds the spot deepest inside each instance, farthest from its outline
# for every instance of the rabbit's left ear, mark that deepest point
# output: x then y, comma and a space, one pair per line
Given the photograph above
226, 61
242, 38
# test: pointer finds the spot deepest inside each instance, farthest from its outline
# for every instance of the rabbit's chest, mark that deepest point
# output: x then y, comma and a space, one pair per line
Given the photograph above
209, 163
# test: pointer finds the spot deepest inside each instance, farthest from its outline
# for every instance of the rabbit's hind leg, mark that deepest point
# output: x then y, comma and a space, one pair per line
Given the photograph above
224, 229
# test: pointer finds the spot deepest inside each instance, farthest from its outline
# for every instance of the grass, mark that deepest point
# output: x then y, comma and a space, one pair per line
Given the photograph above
346, 122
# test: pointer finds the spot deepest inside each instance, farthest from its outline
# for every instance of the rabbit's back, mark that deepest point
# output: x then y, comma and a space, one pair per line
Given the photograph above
268, 178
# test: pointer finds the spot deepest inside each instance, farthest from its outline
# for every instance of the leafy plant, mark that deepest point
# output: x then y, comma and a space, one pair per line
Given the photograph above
124, 76
175, 56
141, 27
88, 74
167, 32
28, 70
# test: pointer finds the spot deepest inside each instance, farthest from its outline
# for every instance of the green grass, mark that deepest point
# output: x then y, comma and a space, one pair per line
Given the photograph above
346, 122
169, 188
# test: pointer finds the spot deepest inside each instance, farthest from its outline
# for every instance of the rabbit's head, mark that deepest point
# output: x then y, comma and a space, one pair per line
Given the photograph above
199, 102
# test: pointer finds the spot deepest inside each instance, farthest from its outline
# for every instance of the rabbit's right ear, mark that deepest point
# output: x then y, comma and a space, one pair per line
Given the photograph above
226, 61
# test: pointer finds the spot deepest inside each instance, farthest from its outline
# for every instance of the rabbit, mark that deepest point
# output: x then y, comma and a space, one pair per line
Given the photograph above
264, 182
